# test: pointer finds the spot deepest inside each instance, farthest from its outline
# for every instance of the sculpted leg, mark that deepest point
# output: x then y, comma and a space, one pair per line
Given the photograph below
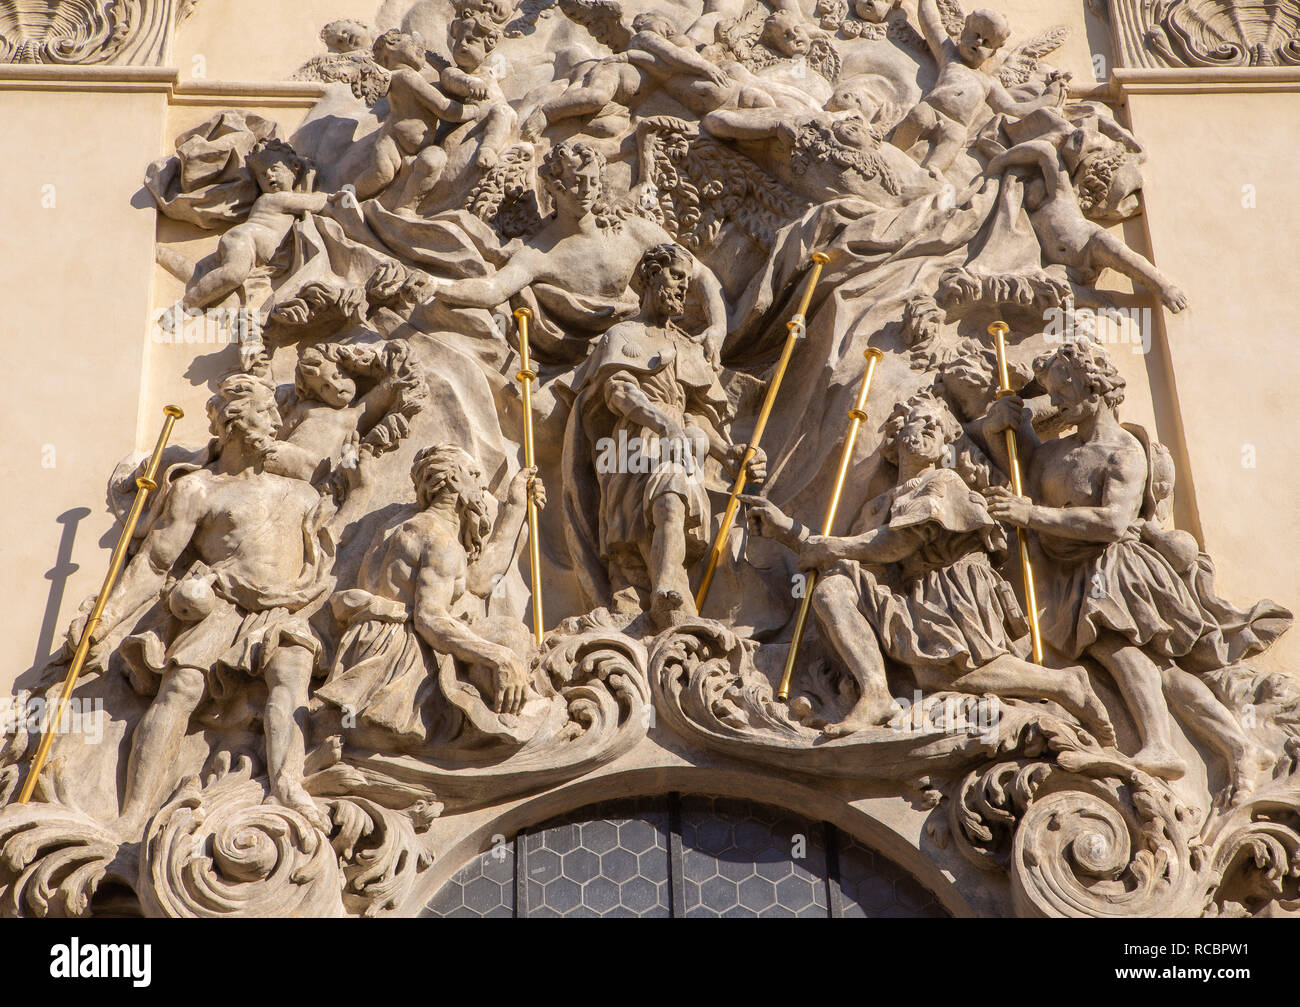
288, 677
1215, 724
835, 605
157, 742
1139, 680
238, 254
422, 175
1069, 688
671, 601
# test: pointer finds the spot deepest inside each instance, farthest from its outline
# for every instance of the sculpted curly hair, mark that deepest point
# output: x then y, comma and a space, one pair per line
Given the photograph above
577, 154
442, 466
272, 151
655, 261
922, 400
1090, 361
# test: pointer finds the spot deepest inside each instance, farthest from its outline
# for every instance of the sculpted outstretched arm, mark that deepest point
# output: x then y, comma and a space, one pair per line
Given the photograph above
499, 549
489, 291
1033, 153
431, 98
927, 14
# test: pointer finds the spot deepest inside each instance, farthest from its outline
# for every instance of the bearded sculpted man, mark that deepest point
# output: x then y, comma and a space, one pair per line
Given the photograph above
650, 404
247, 544
408, 620
1105, 591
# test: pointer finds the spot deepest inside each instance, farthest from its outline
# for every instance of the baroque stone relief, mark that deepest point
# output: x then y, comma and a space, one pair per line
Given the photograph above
125, 32
1204, 33
321, 644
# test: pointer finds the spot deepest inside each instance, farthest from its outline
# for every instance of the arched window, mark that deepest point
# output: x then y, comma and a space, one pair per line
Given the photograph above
683, 856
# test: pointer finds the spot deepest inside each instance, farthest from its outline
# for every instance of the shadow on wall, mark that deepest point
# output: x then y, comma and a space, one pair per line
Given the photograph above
57, 575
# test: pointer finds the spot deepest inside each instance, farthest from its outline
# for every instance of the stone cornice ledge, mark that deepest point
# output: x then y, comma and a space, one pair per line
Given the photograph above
165, 80
1205, 80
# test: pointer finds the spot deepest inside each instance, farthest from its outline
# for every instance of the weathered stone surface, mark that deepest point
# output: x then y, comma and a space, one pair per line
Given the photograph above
320, 651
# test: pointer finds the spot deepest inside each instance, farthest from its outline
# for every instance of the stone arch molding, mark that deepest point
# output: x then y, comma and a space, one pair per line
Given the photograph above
122, 32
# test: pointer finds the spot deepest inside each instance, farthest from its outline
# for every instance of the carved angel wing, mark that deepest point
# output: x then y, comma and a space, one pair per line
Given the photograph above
1022, 63
952, 16
692, 185
603, 18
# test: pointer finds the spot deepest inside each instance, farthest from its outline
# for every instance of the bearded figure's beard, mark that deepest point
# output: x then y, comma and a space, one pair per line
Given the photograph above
256, 431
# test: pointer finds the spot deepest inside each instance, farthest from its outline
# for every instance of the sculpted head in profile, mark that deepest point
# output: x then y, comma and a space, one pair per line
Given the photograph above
663, 278
447, 476
243, 411
1080, 380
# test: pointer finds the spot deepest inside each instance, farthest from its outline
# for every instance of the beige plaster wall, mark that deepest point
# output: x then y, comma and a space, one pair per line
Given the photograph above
76, 287
1224, 221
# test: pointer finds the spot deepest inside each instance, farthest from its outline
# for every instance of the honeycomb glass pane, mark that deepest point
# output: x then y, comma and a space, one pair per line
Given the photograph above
483, 888
749, 860
609, 860
872, 886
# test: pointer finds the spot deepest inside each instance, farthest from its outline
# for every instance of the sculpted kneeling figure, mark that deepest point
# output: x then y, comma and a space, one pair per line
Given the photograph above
922, 589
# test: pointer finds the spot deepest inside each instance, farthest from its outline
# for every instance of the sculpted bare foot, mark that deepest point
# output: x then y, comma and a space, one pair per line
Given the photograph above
670, 608
867, 712
534, 126
291, 794
1161, 761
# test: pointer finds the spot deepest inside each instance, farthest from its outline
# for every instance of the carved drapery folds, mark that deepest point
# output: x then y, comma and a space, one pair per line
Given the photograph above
123, 32
1205, 33
321, 660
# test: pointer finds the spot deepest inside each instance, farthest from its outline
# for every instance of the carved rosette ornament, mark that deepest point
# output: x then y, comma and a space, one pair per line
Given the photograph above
124, 32
747, 271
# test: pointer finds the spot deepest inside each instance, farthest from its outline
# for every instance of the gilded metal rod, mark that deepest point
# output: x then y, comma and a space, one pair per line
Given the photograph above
526, 378
856, 417
145, 484
794, 332
999, 330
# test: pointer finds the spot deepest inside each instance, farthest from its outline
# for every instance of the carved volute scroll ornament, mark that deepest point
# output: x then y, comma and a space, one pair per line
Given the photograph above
320, 661
124, 32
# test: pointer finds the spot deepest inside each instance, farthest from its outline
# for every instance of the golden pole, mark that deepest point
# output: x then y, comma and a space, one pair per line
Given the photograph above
526, 377
145, 484
999, 330
856, 416
795, 331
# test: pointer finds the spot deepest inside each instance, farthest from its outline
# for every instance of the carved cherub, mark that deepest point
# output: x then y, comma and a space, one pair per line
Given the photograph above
413, 582
1066, 236
1106, 592
653, 53
474, 33
942, 122
954, 621
327, 406
404, 143
650, 404
286, 180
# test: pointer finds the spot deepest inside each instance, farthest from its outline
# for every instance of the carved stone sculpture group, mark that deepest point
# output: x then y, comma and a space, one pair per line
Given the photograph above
322, 640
